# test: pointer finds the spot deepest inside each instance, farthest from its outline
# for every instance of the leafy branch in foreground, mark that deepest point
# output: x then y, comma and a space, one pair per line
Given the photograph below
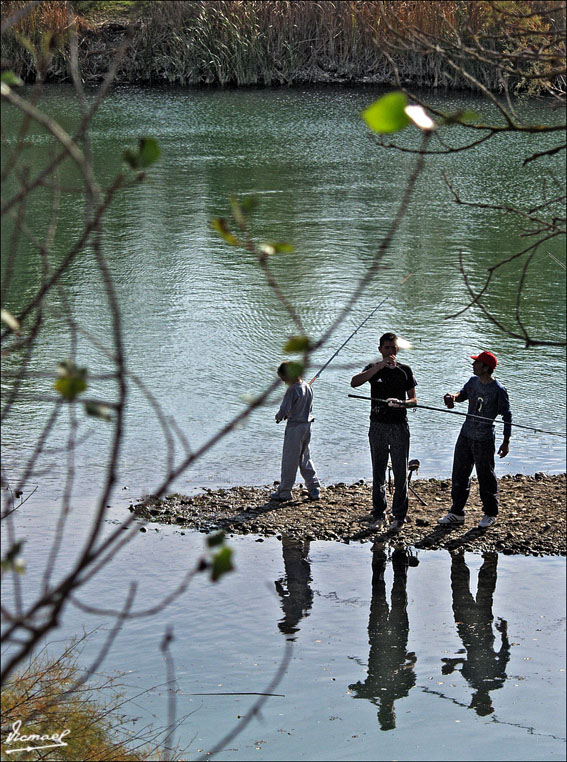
524, 45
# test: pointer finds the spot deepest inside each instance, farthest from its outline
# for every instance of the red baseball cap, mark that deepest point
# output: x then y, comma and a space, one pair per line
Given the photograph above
487, 358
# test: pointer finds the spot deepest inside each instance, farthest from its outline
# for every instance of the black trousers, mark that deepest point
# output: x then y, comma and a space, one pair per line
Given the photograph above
479, 454
389, 440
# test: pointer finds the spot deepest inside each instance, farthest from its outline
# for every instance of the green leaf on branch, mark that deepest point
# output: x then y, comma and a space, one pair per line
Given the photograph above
241, 207
12, 79
221, 563
297, 344
293, 370
277, 247
71, 381
249, 203
283, 248
387, 114
460, 117
237, 211
220, 225
98, 410
215, 539
12, 560
148, 152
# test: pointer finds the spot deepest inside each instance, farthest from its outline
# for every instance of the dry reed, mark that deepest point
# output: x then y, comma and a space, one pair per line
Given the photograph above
280, 42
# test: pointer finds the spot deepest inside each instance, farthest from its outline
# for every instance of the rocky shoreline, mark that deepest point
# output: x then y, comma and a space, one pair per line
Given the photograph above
531, 519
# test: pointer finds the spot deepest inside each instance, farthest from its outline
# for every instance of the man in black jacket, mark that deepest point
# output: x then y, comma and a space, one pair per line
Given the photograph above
394, 385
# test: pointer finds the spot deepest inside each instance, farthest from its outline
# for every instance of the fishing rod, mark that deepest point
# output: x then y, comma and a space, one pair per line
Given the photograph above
366, 319
466, 415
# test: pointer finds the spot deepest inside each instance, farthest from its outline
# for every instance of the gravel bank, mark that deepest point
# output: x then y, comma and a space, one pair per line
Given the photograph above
531, 520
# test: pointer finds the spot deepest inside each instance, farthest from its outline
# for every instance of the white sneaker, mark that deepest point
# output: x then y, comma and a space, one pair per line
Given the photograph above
451, 519
486, 521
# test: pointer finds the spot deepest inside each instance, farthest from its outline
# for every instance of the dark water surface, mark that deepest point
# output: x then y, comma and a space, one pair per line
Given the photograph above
388, 662
201, 326
456, 658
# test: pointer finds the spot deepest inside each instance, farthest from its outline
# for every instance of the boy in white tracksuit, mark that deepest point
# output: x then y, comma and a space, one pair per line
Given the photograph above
296, 408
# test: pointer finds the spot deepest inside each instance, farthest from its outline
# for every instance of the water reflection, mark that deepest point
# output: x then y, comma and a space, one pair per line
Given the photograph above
293, 588
483, 667
391, 673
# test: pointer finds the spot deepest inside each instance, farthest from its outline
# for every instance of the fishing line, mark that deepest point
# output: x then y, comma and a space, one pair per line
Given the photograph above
466, 415
316, 376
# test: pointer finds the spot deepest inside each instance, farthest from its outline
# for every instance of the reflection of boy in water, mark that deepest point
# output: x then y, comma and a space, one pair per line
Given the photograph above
483, 668
298, 599
390, 667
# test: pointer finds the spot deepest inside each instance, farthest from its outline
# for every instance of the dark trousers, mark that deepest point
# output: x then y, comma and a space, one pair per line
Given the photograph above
389, 440
479, 454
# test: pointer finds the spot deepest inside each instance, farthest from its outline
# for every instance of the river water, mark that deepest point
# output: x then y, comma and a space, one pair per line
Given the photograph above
455, 658
203, 330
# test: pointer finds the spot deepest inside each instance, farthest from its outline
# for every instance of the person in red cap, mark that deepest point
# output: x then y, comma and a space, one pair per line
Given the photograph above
475, 446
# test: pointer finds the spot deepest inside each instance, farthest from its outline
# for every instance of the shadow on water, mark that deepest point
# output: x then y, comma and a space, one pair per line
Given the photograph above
482, 666
293, 588
391, 673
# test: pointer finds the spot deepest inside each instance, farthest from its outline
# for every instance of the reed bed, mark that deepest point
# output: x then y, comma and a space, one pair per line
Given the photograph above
284, 42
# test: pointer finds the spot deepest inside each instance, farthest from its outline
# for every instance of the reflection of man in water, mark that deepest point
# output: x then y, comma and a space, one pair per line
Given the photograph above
483, 668
391, 673
298, 598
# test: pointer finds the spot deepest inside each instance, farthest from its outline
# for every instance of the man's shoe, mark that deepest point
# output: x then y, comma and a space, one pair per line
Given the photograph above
486, 521
315, 494
275, 497
451, 519
396, 525
368, 519
377, 523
